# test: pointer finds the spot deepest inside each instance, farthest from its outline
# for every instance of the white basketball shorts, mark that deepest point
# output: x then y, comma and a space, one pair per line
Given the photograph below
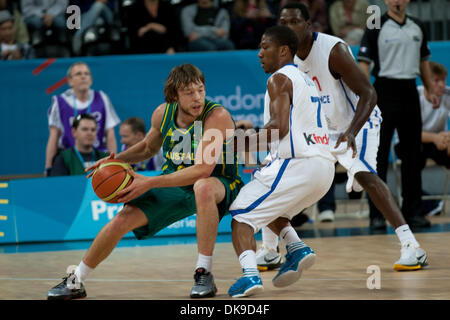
367, 142
283, 188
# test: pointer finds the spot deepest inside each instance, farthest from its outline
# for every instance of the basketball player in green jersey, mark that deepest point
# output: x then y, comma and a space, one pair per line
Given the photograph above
196, 179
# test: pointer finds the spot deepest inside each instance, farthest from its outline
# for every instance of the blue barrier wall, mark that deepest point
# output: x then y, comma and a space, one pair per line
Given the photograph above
66, 208
135, 86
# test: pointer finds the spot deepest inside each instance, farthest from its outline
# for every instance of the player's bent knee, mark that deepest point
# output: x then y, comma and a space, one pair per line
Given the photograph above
128, 219
204, 189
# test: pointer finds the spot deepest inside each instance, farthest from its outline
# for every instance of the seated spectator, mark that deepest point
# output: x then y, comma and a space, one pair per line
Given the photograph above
9, 48
92, 12
317, 11
152, 27
43, 15
348, 20
435, 135
250, 19
73, 161
21, 31
132, 130
80, 99
206, 27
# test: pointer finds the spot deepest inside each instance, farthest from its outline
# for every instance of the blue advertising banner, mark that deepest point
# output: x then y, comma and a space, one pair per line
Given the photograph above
135, 85
66, 208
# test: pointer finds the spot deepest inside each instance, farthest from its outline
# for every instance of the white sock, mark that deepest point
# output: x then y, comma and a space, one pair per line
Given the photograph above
269, 238
404, 234
247, 260
204, 262
289, 235
83, 271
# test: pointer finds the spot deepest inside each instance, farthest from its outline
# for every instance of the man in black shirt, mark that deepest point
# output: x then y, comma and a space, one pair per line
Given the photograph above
399, 52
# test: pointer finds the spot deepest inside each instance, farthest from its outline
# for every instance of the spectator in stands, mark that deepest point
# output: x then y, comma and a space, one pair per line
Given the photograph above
250, 19
21, 31
9, 48
80, 99
435, 136
92, 12
42, 15
132, 130
348, 19
317, 11
206, 27
152, 27
82, 155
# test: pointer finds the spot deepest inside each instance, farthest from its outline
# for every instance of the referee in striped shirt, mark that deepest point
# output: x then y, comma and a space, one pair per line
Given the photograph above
399, 52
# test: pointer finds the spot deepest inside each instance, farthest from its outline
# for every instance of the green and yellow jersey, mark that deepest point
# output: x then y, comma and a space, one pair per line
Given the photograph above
180, 145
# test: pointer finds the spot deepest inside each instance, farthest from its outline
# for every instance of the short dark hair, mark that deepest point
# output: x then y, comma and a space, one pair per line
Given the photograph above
136, 124
78, 118
300, 6
283, 36
179, 77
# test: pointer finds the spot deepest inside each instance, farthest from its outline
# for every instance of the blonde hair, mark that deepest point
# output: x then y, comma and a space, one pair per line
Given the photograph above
181, 76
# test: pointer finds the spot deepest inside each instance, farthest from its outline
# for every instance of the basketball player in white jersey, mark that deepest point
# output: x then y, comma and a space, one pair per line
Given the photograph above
349, 102
301, 154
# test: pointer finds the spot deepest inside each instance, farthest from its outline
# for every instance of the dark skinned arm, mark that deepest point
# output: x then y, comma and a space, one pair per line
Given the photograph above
280, 89
342, 64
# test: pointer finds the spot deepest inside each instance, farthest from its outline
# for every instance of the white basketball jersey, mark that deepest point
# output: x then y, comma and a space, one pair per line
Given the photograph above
308, 132
337, 100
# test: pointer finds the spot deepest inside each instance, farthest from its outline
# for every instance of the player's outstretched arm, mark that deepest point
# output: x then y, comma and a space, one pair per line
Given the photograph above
280, 91
343, 65
279, 88
142, 150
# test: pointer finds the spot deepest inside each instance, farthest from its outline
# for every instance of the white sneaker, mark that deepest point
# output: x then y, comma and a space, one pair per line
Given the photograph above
326, 216
412, 258
268, 259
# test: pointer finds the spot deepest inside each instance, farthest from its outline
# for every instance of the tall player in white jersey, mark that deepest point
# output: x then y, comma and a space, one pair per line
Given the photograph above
297, 132
349, 102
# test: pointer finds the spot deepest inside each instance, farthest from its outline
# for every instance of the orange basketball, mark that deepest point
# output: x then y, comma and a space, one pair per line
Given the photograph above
109, 178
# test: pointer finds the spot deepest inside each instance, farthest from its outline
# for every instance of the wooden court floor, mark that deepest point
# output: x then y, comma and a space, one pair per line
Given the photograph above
166, 272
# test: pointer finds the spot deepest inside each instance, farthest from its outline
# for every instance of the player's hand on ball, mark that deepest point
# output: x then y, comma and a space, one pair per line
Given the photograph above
97, 164
139, 186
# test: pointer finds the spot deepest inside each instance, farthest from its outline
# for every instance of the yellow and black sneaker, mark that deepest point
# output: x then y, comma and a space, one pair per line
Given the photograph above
268, 259
412, 258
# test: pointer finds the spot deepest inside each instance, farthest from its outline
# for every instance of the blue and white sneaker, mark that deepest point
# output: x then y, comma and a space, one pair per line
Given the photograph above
299, 257
246, 286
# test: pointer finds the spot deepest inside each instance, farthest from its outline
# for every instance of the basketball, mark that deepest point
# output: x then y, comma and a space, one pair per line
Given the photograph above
110, 178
